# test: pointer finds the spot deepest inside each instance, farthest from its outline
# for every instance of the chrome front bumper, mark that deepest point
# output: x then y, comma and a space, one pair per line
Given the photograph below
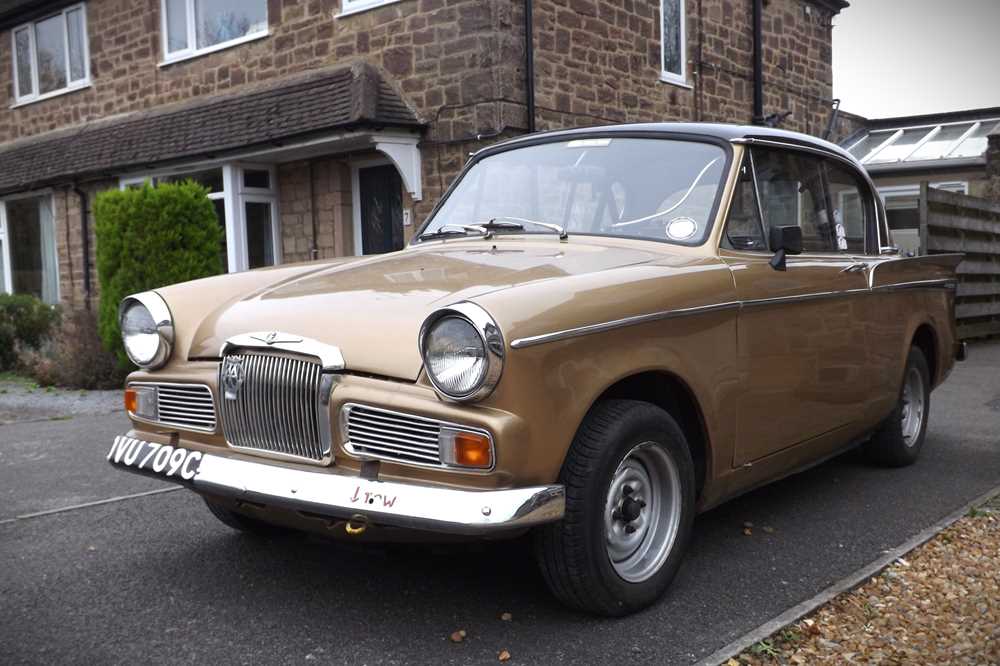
344, 495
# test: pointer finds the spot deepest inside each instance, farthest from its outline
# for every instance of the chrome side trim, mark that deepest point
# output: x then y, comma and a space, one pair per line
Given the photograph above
339, 494
329, 356
942, 283
800, 298
519, 343
619, 323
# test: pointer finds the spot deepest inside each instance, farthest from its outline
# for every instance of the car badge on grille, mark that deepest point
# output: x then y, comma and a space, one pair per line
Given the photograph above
274, 338
232, 378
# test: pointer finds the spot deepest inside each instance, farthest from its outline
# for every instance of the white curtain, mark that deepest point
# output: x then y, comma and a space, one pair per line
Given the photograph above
47, 233
5, 285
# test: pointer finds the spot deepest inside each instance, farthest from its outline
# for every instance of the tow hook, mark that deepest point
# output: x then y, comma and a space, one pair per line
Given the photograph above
356, 525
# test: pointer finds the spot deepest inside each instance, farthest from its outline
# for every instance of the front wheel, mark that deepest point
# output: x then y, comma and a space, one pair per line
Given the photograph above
899, 438
630, 499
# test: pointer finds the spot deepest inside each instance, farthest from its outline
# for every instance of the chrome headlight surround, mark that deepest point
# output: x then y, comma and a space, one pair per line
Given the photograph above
163, 324
493, 345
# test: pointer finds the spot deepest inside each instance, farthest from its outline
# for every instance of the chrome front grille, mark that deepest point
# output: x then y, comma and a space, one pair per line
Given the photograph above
388, 435
188, 406
274, 403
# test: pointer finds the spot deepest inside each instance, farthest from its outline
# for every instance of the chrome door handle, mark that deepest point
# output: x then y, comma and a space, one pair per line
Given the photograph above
860, 267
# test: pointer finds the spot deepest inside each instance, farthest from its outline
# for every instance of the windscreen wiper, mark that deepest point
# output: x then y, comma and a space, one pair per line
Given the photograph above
454, 230
517, 223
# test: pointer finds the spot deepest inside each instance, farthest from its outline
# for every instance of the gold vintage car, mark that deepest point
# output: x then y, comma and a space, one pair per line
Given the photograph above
597, 334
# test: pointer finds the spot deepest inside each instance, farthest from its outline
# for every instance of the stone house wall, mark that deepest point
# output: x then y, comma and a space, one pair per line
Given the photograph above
460, 65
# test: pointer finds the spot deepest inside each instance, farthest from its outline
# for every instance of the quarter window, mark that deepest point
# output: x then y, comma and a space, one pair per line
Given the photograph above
743, 228
51, 55
193, 27
848, 205
673, 41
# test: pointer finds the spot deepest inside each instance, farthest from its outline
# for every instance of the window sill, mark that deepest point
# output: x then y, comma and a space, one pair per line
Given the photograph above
675, 80
190, 55
49, 95
364, 8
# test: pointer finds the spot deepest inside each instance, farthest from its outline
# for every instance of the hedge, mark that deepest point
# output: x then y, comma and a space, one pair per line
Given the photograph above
150, 237
25, 321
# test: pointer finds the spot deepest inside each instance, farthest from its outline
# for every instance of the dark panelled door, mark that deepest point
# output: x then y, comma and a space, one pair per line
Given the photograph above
380, 190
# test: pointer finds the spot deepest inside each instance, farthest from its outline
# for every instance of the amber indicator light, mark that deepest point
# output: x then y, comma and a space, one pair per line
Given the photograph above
472, 450
131, 400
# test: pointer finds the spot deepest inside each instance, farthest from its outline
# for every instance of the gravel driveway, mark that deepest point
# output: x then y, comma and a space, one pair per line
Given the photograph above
23, 400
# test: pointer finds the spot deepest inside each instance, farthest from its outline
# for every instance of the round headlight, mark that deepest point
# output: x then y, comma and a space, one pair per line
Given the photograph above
462, 351
147, 329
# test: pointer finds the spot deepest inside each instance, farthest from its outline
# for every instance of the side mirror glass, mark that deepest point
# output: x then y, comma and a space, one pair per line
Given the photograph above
784, 240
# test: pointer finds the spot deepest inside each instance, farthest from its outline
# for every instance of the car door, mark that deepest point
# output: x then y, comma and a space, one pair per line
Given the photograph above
801, 331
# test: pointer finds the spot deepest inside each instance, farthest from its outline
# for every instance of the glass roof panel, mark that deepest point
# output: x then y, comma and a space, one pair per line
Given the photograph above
975, 144
901, 146
939, 144
869, 143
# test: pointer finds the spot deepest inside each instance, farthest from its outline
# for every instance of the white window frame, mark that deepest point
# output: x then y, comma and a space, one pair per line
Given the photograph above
71, 86
349, 7
679, 79
234, 196
7, 278
192, 50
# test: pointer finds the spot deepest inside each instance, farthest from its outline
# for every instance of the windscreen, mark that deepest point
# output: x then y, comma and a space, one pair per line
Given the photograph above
657, 189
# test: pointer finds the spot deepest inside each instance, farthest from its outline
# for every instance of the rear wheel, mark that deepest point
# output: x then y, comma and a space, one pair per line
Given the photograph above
242, 523
629, 508
899, 439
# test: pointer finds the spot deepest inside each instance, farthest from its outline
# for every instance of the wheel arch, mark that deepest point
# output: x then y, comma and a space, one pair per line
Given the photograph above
675, 396
925, 338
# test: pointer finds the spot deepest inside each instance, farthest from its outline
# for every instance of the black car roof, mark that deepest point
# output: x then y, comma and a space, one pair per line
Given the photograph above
723, 131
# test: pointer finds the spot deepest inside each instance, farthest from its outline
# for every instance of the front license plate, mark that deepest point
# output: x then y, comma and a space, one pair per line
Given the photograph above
163, 459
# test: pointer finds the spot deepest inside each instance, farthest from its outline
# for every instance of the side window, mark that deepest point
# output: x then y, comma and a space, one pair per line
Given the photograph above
790, 186
849, 207
743, 226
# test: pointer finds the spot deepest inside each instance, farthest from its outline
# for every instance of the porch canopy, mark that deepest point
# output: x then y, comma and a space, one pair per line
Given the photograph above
330, 110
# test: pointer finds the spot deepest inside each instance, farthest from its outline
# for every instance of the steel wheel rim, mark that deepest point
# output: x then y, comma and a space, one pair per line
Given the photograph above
644, 495
913, 407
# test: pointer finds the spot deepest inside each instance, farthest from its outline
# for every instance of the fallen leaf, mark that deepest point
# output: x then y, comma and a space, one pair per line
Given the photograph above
748, 525
747, 531
458, 636
768, 529
506, 617
503, 656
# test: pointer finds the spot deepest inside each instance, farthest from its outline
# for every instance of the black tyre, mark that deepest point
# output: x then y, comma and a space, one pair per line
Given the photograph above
242, 523
899, 438
630, 495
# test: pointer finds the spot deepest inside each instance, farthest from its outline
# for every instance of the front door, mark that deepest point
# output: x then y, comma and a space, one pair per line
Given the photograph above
380, 197
802, 348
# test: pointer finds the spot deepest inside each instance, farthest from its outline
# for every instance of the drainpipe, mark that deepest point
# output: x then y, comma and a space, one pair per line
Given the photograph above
529, 62
314, 250
85, 238
758, 63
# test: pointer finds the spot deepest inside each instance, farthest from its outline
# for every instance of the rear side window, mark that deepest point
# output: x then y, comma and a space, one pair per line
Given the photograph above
792, 193
849, 206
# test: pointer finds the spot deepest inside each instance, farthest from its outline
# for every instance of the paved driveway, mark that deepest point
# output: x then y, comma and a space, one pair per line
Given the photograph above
156, 579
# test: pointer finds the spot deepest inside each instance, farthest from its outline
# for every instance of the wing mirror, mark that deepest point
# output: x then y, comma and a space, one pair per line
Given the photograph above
784, 240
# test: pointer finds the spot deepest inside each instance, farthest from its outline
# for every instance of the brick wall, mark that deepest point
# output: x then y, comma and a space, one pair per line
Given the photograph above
599, 61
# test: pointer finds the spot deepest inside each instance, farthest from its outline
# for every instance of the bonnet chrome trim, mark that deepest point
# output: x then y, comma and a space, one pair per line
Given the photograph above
330, 357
